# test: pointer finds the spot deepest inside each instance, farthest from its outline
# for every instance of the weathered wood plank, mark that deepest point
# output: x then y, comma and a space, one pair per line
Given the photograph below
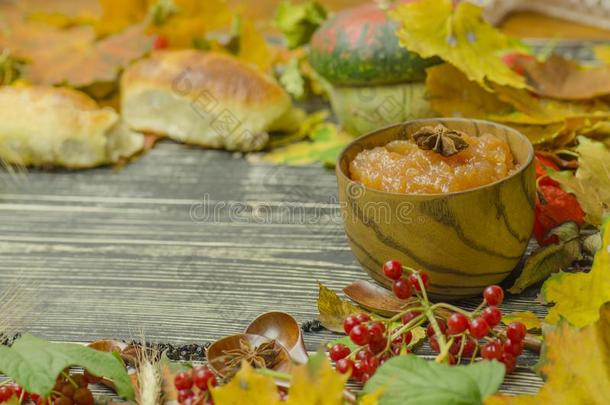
117, 252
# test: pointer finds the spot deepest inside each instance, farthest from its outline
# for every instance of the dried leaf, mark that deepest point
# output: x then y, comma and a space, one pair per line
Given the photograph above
543, 121
325, 144
452, 94
550, 259
316, 382
459, 36
578, 296
591, 182
561, 78
576, 366
247, 387
76, 57
528, 318
333, 310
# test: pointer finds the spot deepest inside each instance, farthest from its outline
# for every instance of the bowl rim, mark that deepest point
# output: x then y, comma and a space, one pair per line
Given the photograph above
530, 157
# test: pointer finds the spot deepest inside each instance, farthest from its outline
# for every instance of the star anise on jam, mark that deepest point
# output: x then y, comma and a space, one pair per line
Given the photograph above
440, 139
265, 355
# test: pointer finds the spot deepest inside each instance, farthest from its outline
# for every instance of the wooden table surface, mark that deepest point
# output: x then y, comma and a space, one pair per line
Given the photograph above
184, 244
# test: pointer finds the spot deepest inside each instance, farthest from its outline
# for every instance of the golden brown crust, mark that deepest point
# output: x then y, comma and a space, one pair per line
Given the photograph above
59, 96
191, 72
51, 126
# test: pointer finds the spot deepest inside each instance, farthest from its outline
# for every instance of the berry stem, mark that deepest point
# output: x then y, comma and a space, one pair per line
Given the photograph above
418, 320
451, 308
403, 313
69, 379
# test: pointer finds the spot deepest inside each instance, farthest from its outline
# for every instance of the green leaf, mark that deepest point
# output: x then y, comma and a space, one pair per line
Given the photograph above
324, 145
292, 80
458, 34
298, 22
35, 364
550, 259
410, 380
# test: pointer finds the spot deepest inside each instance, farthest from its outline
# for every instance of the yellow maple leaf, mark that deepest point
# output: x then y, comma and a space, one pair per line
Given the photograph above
372, 398
458, 35
316, 383
247, 387
577, 296
253, 47
188, 20
576, 364
117, 15
528, 318
602, 53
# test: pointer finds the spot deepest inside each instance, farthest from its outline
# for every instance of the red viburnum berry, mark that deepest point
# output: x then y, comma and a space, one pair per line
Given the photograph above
183, 381
413, 279
392, 269
402, 289
494, 295
349, 322
359, 335
492, 350
344, 366
478, 328
376, 331
378, 346
514, 348
457, 323
492, 315
339, 351
516, 331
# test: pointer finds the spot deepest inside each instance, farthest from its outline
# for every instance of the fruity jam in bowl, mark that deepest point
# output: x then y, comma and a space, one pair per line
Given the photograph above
453, 197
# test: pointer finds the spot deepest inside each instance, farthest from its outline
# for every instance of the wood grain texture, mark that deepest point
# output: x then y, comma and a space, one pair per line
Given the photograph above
117, 252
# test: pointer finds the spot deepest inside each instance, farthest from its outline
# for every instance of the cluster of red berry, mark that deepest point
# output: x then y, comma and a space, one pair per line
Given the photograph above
69, 389
193, 386
453, 333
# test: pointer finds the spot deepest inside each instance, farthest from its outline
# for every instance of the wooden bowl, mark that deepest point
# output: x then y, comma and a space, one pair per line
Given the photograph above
464, 240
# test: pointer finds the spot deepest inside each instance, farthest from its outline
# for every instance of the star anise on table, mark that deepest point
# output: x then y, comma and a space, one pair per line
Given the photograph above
265, 355
440, 139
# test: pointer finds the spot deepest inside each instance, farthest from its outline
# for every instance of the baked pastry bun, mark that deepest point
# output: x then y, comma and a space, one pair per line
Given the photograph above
204, 98
52, 126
